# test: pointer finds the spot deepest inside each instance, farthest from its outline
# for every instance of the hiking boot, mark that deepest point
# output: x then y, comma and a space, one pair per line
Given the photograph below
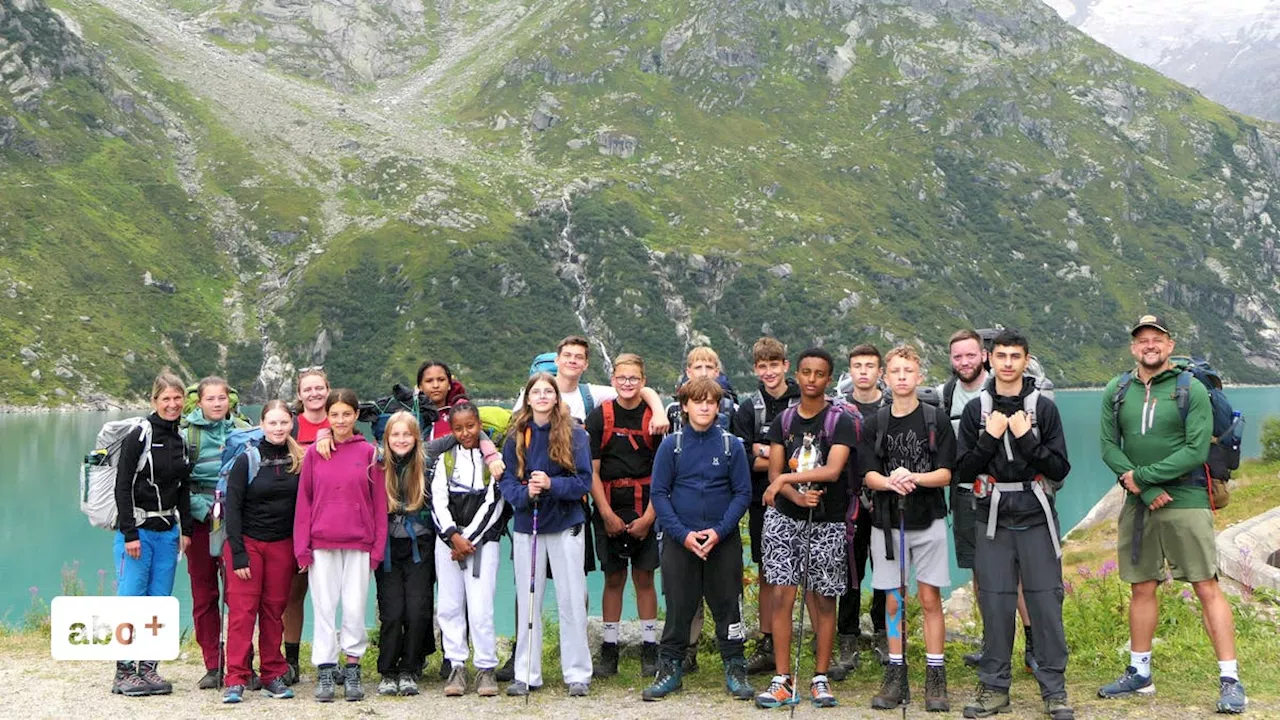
820, 692
233, 694
735, 679
291, 675
147, 670
691, 660
761, 661
457, 684
882, 647
1129, 683
212, 680
935, 690
1058, 709
506, 673
607, 666
389, 686
325, 681
850, 660
780, 692
407, 685
973, 659
352, 687
1231, 697
667, 680
277, 690
517, 689
649, 659
579, 689
989, 701
486, 683
127, 681
894, 692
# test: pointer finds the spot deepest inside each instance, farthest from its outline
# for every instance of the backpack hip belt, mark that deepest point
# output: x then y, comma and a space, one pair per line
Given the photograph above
637, 484
988, 486
140, 516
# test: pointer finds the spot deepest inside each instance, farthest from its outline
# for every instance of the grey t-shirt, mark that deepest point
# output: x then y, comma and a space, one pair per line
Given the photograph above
960, 398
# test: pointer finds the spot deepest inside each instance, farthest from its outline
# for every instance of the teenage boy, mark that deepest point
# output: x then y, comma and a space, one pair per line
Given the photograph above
751, 423
804, 526
1158, 451
622, 462
704, 362
866, 368
969, 375
1012, 452
701, 488
907, 453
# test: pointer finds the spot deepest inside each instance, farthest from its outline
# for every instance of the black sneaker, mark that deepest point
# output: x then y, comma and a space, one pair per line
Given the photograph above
445, 669
761, 661
649, 659
352, 687
127, 681
607, 665
506, 673
212, 680
147, 670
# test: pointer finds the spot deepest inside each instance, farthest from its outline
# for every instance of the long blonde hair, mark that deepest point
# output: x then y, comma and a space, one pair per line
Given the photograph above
416, 487
561, 444
296, 452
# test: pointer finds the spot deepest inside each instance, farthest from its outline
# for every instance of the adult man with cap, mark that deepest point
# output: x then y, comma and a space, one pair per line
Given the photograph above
1156, 429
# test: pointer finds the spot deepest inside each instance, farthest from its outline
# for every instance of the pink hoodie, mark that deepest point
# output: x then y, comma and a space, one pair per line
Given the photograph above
341, 503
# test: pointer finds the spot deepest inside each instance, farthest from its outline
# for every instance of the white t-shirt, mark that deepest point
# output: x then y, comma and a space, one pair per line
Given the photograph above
577, 409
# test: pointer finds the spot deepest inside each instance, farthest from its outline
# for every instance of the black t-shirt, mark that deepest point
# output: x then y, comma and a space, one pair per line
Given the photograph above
906, 444
622, 456
811, 431
744, 426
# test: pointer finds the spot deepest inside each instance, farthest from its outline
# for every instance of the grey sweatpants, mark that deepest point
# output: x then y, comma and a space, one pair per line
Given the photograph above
999, 564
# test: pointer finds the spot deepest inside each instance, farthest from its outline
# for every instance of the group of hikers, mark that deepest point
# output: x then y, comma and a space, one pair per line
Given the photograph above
826, 479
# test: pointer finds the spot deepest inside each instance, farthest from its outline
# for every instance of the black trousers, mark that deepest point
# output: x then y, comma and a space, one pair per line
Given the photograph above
687, 580
406, 608
850, 613
1000, 563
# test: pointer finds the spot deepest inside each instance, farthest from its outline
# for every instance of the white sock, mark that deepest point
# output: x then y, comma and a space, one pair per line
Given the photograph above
1227, 669
611, 632
1141, 661
896, 659
649, 631
934, 660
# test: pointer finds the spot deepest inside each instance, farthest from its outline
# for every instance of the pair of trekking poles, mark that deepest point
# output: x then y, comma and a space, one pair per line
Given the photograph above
900, 615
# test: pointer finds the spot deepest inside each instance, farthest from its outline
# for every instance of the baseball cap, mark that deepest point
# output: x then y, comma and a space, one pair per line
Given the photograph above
1151, 321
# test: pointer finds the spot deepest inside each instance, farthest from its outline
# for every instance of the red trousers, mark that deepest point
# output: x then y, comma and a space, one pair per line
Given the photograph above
204, 594
260, 601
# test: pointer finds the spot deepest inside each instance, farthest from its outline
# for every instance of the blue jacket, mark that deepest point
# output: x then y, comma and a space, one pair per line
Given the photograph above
700, 487
561, 507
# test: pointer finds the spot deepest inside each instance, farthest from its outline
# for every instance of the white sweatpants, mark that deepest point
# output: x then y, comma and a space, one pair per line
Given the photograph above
338, 575
465, 599
565, 553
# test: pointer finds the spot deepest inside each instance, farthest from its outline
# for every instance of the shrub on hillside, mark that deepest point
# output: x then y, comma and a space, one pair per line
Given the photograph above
1271, 439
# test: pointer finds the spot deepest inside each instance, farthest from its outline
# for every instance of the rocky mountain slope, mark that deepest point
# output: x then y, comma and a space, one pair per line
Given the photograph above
1228, 49
652, 173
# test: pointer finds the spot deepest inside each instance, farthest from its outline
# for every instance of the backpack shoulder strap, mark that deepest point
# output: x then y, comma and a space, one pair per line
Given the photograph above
948, 390
882, 422
588, 400
757, 405
193, 437
679, 442
931, 428
988, 404
1117, 399
450, 462
1029, 404
829, 421
725, 439
606, 409
254, 456
1182, 393
788, 417
644, 425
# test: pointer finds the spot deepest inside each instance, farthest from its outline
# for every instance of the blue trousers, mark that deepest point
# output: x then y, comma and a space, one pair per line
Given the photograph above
151, 575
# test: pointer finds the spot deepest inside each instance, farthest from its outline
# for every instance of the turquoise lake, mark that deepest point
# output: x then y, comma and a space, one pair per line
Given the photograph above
42, 529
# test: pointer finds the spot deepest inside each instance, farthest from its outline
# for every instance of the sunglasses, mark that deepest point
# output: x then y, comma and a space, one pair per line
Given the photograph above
310, 368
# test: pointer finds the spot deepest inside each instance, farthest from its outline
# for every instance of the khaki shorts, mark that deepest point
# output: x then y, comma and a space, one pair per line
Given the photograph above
1184, 538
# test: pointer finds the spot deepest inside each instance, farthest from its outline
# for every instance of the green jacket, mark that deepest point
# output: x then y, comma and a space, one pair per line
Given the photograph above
205, 440
1155, 442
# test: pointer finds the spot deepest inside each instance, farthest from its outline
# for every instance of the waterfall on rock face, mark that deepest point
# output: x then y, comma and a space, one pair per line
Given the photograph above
571, 269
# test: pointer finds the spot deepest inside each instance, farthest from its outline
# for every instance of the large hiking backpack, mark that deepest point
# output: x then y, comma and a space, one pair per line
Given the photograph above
241, 442
760, 410
99, 469
494, 421
192, 401
402, 398
546, 363
1228, 425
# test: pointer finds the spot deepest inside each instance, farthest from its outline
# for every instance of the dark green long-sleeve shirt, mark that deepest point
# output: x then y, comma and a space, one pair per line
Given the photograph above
1155, 442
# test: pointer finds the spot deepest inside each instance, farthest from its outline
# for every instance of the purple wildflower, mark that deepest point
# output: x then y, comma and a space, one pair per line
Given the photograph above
1108, 567
1084, 572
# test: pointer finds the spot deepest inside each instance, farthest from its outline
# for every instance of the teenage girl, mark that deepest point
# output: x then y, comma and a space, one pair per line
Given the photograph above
339, 536
548, 468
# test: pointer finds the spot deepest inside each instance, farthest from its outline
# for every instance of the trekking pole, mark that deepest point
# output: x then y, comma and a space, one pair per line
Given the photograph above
798, 640
222, 632
533, 574
902, 593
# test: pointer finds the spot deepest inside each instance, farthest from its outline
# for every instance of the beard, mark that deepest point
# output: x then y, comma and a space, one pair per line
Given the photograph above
971, 376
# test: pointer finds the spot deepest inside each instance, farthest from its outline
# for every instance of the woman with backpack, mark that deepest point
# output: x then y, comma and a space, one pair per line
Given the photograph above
311, 419
153, 511
469, 512
205, 430
259, 560
407, 572
548, 471
339, 536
